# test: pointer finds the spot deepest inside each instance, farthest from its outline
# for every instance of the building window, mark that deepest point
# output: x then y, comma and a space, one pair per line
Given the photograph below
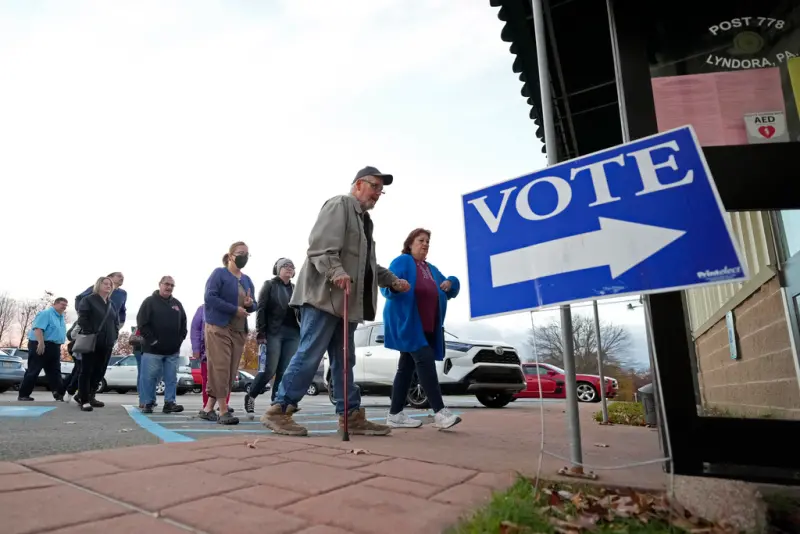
734, 74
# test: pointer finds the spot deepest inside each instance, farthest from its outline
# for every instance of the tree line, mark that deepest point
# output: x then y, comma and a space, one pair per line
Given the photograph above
16, 317
615, 346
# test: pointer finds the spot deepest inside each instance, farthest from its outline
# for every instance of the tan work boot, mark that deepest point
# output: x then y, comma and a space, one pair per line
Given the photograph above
359, 425
281, 422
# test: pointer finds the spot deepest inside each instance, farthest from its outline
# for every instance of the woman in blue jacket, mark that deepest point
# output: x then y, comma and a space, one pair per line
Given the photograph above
413, 324
228, 300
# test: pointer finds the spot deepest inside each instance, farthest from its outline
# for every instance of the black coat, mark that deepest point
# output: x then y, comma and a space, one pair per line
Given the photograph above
95, 317
162, 325
273, 301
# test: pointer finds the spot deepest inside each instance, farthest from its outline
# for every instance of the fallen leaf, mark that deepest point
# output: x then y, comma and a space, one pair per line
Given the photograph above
125, 430
587, 521
564, 526
251, 445
358, 451
601, 445
507, 527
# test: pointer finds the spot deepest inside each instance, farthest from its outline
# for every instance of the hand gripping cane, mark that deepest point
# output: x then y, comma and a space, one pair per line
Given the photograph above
346, 361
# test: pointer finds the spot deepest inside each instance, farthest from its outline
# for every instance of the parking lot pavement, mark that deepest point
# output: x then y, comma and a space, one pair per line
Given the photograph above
316, 413
46, 427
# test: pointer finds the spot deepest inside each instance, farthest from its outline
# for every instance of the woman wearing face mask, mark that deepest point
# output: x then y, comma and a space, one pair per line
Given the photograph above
228, 300
414, 325
96, 315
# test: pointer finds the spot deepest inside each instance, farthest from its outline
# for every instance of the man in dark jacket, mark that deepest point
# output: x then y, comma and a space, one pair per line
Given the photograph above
119, 297
278, 331
163, 327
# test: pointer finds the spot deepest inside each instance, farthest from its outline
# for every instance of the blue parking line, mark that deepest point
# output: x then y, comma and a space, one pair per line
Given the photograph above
245, 431
164, 434
24, 411
321, 422
168, 435
237, 414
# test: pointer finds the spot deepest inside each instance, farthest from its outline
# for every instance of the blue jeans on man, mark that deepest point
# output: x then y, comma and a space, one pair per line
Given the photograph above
138, 356
319, 332
153, 367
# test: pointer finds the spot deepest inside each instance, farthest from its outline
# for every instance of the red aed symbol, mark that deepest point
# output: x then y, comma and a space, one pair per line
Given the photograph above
766, 131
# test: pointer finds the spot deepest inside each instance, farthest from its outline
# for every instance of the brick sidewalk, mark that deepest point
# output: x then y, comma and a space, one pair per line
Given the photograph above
417, 480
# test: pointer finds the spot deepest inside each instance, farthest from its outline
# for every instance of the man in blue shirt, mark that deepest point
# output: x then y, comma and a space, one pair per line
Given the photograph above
118, 297
48, 332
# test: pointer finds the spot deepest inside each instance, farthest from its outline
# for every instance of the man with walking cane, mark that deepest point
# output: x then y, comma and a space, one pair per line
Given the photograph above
340, 268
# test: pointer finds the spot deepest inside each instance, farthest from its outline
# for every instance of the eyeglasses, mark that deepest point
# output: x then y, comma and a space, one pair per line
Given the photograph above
376, 187
167, 284
242, 254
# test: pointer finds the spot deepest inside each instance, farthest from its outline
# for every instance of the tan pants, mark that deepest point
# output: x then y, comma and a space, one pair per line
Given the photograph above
224, 348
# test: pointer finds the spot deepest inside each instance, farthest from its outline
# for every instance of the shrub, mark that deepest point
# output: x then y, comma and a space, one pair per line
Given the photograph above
624, 413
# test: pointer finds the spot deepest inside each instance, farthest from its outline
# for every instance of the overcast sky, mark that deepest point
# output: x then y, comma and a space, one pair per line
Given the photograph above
145, 137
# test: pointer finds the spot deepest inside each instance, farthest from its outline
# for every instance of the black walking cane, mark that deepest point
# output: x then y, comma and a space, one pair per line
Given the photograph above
346, 359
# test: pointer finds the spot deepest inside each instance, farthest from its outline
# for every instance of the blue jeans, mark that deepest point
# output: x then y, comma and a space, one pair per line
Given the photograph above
319, 332
280, 349
153, 367
138, 356
423, 362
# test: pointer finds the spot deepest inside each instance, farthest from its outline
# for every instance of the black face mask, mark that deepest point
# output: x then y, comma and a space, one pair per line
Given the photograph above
240, 261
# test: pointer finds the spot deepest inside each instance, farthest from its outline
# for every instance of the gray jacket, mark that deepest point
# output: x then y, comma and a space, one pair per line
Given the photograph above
338, 245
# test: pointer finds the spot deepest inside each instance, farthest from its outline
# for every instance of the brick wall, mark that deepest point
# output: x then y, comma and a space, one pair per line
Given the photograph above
763, 381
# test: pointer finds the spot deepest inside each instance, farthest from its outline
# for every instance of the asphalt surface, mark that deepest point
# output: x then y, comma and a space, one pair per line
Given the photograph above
63, 428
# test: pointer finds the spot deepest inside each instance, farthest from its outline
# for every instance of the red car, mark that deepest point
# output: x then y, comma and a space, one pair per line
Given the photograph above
552, 380
196, 374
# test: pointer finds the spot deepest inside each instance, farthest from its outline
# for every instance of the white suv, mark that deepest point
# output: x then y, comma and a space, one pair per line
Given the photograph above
491, 371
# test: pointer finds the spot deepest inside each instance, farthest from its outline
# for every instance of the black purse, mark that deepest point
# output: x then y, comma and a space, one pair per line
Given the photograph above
85, 343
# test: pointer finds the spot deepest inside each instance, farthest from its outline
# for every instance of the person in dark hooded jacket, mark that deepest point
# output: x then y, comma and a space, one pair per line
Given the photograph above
278, 331
163, 327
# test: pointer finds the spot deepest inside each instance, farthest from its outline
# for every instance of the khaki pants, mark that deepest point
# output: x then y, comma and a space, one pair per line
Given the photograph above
224, 348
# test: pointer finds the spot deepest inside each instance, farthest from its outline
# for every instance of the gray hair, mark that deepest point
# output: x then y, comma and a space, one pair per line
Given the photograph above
99, 283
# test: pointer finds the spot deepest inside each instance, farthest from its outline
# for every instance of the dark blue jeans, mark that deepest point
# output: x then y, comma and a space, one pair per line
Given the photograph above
424, 362
280, 349
319, 332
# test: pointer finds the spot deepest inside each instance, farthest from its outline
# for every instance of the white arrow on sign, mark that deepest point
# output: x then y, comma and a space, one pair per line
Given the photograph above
619, 244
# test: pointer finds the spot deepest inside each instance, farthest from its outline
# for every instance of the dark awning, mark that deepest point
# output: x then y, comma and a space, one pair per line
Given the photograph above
584, 92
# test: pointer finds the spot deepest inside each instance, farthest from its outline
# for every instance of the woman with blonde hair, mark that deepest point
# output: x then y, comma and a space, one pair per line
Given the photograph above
228, 300
97, 317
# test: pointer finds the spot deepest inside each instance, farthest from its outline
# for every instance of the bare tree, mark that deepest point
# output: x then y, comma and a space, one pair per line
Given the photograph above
8, 313
615, 343
26, 312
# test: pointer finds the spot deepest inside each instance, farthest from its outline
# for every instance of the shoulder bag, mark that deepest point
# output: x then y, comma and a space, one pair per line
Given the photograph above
85, 343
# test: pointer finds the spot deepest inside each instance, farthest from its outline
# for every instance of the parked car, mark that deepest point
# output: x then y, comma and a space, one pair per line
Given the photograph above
121, 377
319, 381
197, 374
41, 380
553, 385
11, 371
489, 370
243, 381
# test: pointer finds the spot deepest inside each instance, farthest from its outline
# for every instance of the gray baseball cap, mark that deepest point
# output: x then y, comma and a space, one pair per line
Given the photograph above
372, 171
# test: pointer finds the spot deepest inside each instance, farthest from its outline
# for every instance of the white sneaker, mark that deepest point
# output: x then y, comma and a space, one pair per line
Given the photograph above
444, 419
67, 398
401, 420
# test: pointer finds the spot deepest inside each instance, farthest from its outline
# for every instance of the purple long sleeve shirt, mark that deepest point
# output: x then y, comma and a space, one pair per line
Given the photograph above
198, 334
